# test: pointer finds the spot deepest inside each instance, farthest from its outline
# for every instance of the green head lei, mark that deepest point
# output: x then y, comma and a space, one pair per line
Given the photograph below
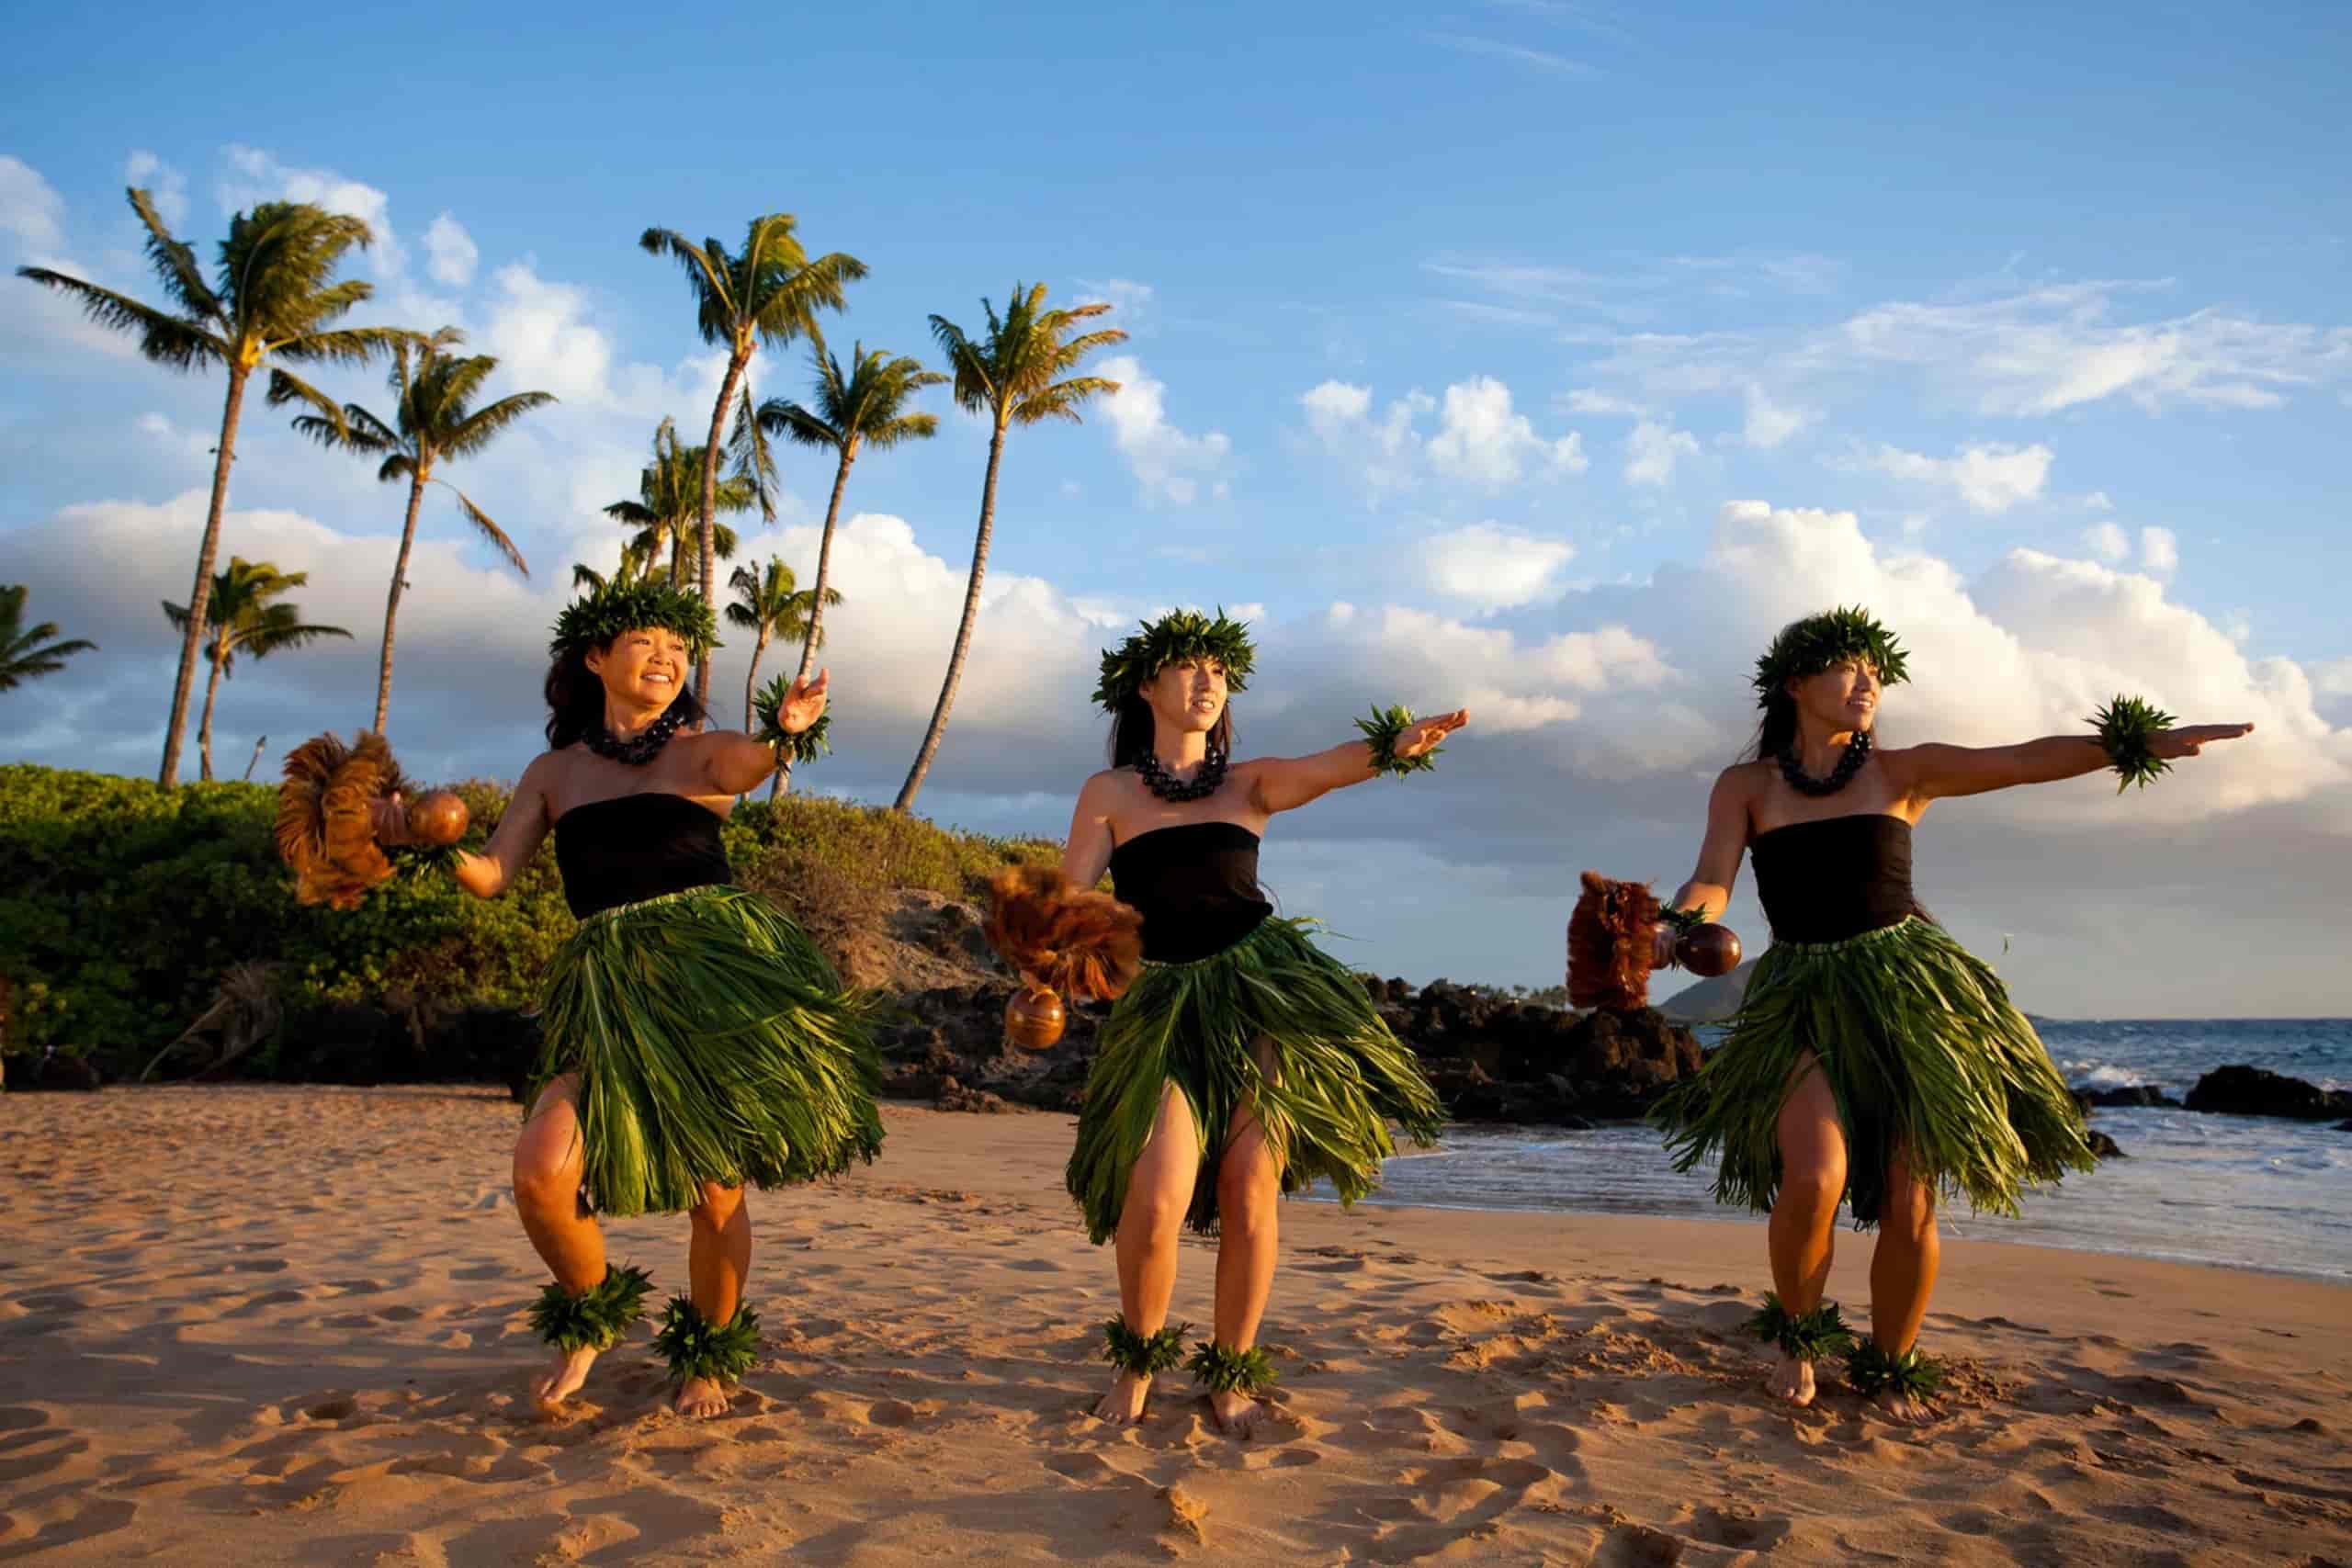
1174, 637
616, 608
1820, 642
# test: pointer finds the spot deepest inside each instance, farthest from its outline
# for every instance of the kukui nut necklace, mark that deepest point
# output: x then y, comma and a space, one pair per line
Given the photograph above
1857, 751
640, 749
1166, 786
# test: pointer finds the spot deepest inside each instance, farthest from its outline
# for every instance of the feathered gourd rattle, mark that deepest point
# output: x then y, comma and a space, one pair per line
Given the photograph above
326, 831
1062, 941
1612, 944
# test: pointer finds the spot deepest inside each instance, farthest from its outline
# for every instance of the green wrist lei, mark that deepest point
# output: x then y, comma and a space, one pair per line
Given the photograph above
1227, 1371
2124, 725
1384, 730
597, 1318
1805, 1336
796, 748
695, 1350
1143, 1354
1870, 1370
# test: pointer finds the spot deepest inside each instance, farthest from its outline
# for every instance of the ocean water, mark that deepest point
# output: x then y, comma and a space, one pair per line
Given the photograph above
2245, 1192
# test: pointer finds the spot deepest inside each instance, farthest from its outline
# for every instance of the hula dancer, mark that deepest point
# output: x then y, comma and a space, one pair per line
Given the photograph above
1243, 1062
697, 1041
1874, 1060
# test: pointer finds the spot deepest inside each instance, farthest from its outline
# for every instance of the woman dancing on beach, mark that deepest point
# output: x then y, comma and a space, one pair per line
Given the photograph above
1243, 1062
1874, 1060
697, 1041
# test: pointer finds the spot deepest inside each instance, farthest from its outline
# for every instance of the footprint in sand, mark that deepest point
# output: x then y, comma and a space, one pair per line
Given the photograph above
1740, 1531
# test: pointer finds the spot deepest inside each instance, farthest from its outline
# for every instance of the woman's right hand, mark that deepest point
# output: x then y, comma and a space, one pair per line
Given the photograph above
387, 816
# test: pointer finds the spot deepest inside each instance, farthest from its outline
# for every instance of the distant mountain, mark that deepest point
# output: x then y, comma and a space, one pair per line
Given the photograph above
1709, 1001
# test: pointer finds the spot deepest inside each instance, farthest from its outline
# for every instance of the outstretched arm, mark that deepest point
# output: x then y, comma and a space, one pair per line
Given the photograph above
1284, 783
511, 844
737, 763
1938, 772
1086, 855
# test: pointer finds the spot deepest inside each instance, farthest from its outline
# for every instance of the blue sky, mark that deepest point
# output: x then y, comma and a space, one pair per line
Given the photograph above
1461, 337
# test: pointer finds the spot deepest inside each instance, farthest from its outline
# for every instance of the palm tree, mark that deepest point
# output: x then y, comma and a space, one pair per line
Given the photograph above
771, 605
669, 503
430, 424
271, 302
862, 409
768, 293
22, 655
636, 567
244, 621
1020, 375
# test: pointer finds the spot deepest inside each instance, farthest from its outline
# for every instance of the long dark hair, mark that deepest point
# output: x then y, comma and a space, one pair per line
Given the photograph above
576, 699
1778, 730
1131, 731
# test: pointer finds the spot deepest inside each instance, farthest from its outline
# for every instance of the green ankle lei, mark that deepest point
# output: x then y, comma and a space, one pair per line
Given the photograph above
1870, 1370
1142, 1354
1226, 1371
598, 1316
1805, 1336
696, 1349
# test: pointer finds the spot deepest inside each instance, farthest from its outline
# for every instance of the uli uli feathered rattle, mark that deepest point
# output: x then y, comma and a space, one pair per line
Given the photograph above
1612, 944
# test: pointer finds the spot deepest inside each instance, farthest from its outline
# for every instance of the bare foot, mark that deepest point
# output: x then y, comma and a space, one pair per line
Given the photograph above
1124, 1404
1904, 1409
561, 1381
700, 1399
1237, 1414
1792, 1380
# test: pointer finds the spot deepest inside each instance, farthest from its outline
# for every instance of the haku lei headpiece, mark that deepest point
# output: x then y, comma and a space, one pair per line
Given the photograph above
1820, 642
594, 620
1176, 636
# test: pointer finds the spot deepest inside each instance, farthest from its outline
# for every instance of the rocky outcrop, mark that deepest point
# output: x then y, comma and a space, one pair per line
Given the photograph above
2132, 1095
2242, 1091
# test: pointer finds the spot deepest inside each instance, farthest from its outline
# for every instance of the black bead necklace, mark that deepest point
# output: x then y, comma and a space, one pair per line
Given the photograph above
1857, 751
1166, 786
640, 749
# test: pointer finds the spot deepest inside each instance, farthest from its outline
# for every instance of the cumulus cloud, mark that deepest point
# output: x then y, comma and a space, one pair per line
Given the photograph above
1482, 440
1495, 568
1652, 451
1130, 301
1381, 452
1607, 405
549, 335
31, 212
1988, 479
252, 176
2108, 541
1768, 422
1170, 464
449, 251
2159, 551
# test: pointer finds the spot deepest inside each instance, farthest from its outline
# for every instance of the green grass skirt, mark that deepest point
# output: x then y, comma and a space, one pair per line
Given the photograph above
713, 1043
1341, 1074
1923, 1054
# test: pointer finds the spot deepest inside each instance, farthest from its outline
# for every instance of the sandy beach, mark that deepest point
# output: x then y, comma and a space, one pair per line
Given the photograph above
287, 1325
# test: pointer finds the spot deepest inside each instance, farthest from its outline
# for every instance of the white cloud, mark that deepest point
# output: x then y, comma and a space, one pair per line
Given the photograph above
1130, 301
1652, 451
2159, 551
1380, 455
2098, 502
546, 336
1607, 405
2108, 541
450, 253
1770, 424
1989, 478
1170, 464
1482, 440
31, 212
1542, 60
166, 185
1495, 568
254, 175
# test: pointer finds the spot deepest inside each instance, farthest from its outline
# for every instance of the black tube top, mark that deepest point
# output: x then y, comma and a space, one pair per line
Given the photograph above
1838, 877
635, 847
1196, 886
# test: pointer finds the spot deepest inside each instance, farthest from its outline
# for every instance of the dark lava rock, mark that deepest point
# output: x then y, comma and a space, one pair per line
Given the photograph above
2137, 1094
954, 1096
54, 1072
2104, 1146
2242, 1091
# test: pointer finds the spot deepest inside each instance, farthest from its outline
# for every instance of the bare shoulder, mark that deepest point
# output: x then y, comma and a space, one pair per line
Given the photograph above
1743, 781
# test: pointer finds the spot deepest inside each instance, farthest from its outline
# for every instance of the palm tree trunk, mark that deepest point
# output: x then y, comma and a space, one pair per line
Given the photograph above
913, 785
735, 365
825, 562
751, 684
204, 730
677, 558
392, 601
200, 595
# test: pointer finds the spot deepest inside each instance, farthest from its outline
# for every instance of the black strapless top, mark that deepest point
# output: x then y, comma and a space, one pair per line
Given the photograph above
635, 847
1839, 877
1196, 886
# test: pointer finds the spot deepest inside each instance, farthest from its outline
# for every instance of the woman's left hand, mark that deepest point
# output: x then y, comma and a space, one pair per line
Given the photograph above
2190, 739
804, 704
1427, 734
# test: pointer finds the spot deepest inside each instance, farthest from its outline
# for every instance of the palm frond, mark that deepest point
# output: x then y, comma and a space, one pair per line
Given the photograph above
175, 262
781, 416
706, 269
1063, 400
164, 339
486, 528
347, 345
477, 429
748, 447
287, 387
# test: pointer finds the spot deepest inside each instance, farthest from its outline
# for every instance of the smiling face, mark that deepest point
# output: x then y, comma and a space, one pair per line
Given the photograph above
1841, 698
1188, 696
643, 670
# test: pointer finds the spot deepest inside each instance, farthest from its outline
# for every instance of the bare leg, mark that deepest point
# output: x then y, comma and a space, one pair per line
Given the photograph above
1802, 1233
719, 1259
548, 1159
1903, 1272
1160, 1192
1249, 1197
